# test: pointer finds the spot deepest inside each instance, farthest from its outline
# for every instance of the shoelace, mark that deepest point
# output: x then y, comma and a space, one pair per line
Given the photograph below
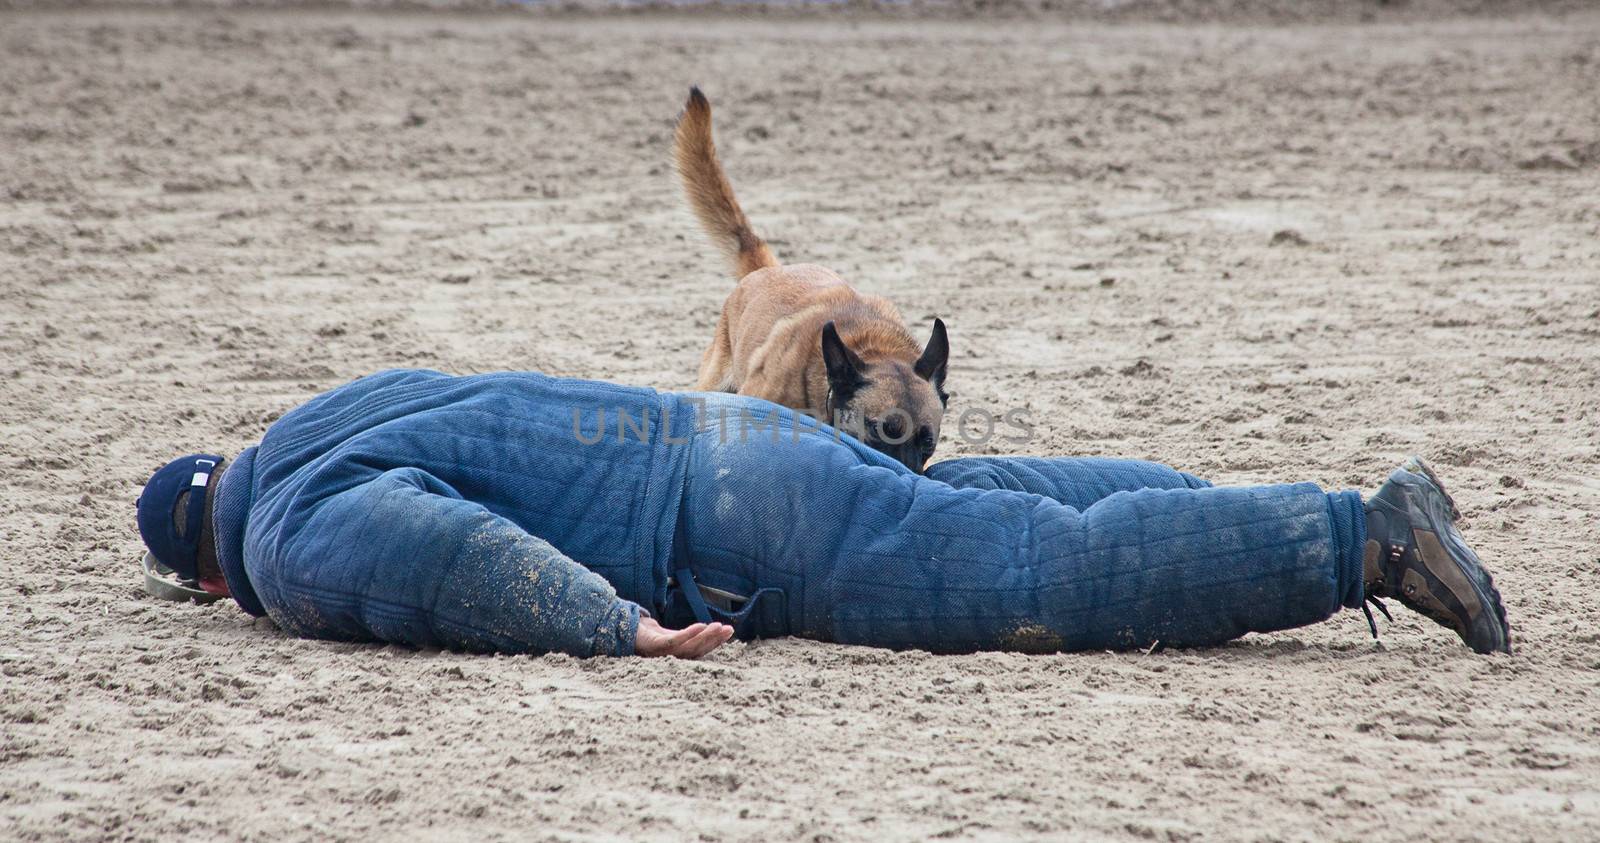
1396, 552
1366, 609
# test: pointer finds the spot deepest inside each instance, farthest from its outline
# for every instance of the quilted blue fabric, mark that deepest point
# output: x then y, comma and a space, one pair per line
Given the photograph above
523, 513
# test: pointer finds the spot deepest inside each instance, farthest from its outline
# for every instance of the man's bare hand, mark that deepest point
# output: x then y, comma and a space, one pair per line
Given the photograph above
689, 643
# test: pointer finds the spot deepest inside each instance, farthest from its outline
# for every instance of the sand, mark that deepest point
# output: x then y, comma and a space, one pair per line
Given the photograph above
1260, 253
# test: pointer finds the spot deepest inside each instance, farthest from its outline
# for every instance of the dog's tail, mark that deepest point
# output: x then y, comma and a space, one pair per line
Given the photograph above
710, 194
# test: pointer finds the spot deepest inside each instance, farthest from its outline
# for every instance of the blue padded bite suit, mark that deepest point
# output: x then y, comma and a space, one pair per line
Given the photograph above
523, 513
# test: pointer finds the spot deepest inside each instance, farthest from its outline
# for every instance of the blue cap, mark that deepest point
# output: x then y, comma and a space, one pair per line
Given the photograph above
158, 503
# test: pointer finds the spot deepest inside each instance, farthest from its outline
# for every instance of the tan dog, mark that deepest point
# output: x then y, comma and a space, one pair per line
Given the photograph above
800, 336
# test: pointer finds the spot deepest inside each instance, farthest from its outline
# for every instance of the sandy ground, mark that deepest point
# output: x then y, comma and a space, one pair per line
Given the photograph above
1258, 253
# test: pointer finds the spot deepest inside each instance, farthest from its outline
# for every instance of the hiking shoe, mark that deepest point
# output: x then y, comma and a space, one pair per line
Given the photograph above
1415, 554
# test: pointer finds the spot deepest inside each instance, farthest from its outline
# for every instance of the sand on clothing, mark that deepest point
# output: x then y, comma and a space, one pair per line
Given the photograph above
1260, 253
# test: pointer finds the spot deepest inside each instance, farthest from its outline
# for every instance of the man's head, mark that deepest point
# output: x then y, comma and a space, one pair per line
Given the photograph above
172, 515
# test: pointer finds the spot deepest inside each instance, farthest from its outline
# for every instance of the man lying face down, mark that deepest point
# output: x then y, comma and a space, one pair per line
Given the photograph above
517, 513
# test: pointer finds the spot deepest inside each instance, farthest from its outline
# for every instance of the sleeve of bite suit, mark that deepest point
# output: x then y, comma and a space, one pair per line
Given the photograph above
1078, 482
404, 558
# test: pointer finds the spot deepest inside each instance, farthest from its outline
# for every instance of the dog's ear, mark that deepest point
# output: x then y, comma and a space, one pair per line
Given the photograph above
844, 367
931, 365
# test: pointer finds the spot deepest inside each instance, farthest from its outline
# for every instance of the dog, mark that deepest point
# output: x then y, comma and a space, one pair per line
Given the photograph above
799, 336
